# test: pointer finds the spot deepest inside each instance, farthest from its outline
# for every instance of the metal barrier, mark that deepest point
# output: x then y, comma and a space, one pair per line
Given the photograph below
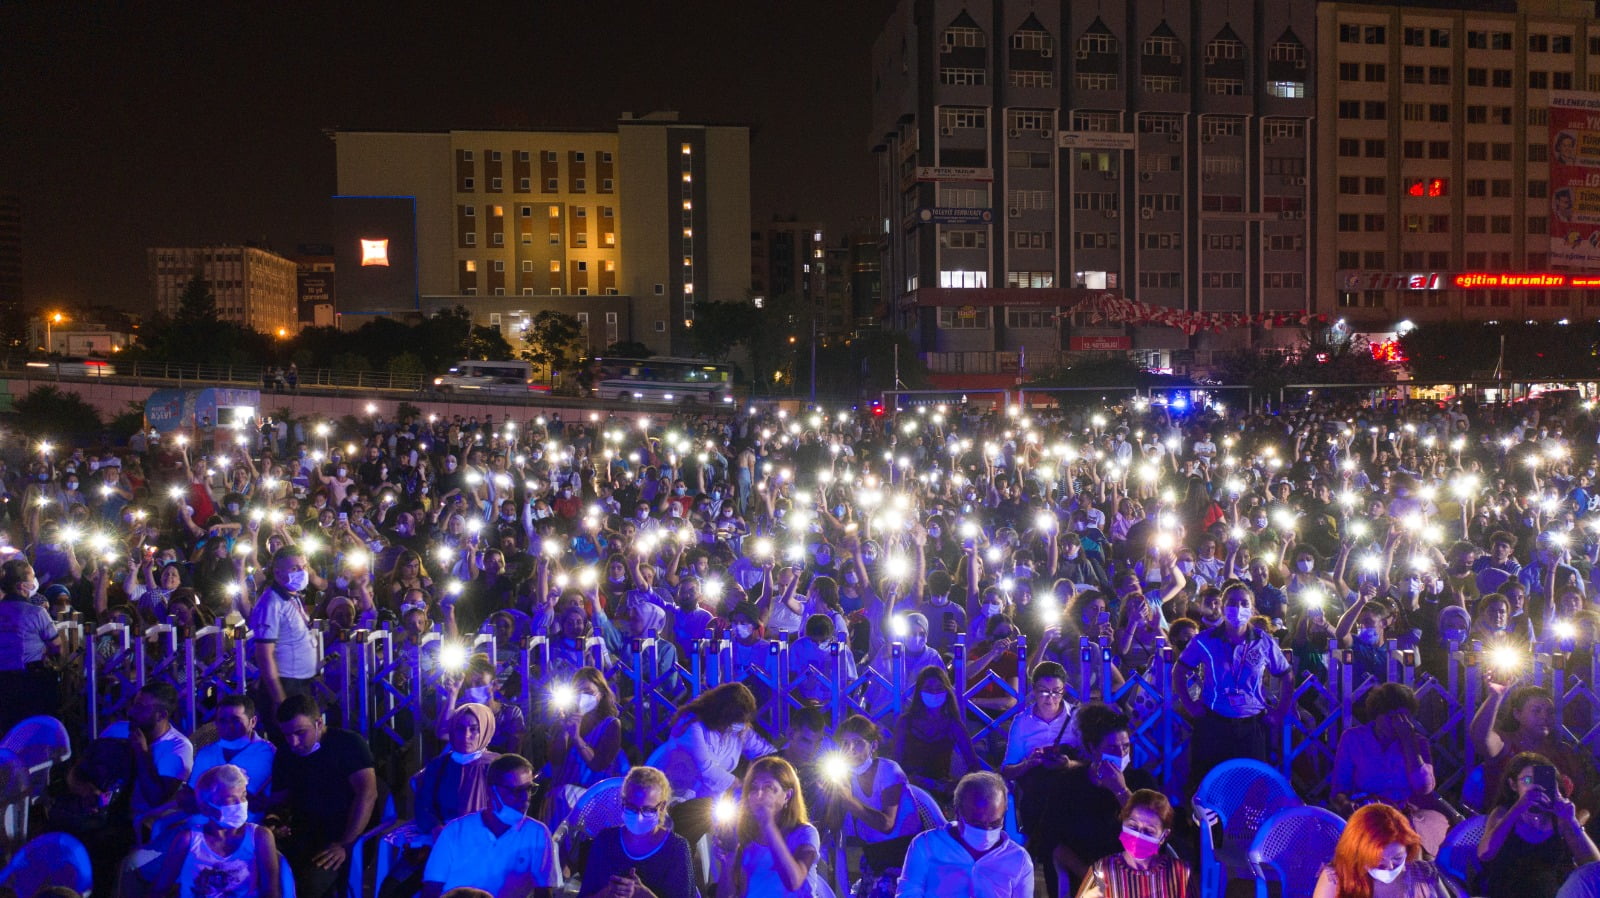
389, 690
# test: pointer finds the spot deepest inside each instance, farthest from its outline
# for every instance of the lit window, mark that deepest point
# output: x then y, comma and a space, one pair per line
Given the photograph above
555, 266
497, 211
686, 149
687, 204
472, 265
688, 288
555, 212
611, 265
375, 252
687, 177
688, 232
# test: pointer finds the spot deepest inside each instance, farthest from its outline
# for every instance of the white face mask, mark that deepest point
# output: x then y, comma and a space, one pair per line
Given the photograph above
508, 815
1236, 615
981, 839
465, 757
1387, 876
743, 631
934, 699
587, 703
640, 824
1303, 567
233, 744
1118, 761
478, 694
232, 816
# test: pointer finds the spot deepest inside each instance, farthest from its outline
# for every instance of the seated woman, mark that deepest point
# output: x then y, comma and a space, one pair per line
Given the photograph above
777, 849
710, 737
477, 685
226, 855
1533, 839
872, 803
451, 785
930, 732
585, 744
643, 855
1379, 856
1095, 791
1388, 760
1515, 720
1141, 869
997, 653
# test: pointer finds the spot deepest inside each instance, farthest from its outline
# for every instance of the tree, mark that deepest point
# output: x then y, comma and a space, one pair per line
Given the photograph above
50, 412
628, 349
406, 363
488, 344
553, 340
196, 304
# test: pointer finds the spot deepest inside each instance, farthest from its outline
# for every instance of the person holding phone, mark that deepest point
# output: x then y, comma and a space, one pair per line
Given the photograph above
1532, 840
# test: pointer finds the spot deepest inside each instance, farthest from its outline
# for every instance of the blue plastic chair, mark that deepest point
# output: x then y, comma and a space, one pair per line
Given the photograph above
52, 859
1243, 794
1291, 848
1458, 853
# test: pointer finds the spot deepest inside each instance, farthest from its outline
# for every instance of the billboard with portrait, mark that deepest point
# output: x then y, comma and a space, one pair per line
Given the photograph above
1575, 181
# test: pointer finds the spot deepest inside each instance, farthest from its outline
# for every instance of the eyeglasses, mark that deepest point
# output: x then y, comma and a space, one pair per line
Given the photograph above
650, 810
1050, 693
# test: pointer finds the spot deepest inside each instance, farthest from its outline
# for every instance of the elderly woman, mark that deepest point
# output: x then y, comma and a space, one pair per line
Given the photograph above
643, 851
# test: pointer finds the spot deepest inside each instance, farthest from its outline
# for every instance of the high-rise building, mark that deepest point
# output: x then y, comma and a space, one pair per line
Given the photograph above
10, 252
657, 210
1435, 129
786, 259
1031, 151
252, 286
866, 279
314, 282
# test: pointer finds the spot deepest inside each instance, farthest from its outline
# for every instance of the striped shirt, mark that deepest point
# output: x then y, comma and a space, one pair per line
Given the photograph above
1112, 877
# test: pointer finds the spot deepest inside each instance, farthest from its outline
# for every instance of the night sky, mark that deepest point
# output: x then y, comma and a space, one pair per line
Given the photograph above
164, 123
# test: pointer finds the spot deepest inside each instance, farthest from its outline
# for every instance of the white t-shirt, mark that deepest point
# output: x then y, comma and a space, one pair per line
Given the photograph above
255, 759
512, 865
884, 774
761, 872
172, 755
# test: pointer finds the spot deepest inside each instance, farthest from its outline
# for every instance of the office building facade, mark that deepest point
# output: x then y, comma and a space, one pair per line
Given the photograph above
253, 287
1434, 124
657, 210
1033, 155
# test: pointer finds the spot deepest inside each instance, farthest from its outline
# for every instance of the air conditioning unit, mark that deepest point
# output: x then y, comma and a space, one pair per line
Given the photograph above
1268, 139
1147, 214
1174, 138
1047, 52
1015, 212
1109, 175
1209, 138
947, 131
1299, 213
1206, 177
1013, 133
1047, 134
1288, 181
1300, 63
1146, 177
1111, 213
1083, 54
1175, 60
1287, 215
1300, 182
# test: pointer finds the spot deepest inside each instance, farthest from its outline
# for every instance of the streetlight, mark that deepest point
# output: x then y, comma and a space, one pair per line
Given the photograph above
50, 321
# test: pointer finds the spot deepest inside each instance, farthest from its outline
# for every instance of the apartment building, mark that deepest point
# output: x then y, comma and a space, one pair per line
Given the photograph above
1435, 127
252, 286
1033, 154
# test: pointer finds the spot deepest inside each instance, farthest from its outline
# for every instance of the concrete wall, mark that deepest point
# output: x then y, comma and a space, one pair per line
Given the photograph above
112, 399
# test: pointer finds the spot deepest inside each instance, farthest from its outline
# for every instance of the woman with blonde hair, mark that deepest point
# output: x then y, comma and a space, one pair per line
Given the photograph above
778, 848
227, 855
1379, 856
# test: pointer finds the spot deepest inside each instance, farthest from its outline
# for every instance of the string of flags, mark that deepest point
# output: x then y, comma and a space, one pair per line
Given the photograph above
1109, 307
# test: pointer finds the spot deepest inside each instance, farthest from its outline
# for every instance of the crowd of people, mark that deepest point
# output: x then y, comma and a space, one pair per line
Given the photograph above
1237, 554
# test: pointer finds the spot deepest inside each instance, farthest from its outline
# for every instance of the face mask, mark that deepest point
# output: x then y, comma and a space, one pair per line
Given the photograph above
1387, 876
507, 517
1303, 567
478, 694
1454, 634
234, 744
343, 471
981, 839
232, 816
1186, 567
506, 814
1118, 761
27, 589
990, 609
716, 495
1236, 615
587, 703
465, 757
933, 532
296, 581
933, 700
850, 578
743, 631
1141, 846
640, 824
1413, 585
73, 484
1367, 635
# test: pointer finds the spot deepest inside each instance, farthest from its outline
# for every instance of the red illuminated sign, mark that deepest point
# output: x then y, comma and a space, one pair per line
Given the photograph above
1388, 351
1427, 187
1465, 280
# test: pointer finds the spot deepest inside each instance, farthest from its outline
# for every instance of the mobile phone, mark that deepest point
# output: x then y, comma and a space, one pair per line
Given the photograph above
1102, 619
1544, 776
344, 517
949, 620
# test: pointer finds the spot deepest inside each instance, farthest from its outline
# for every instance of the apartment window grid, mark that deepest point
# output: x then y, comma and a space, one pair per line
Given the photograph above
1032, 78
954, 118
1288, 90
1033, 41
1097, 43
964, 36
1030, 279
1283, 129
1225, 87
1287, 51
1170, 240
1224, 48
1160, 123
954, 319
1161, 84
1096, 121
957, 76
1026, 120
1096, 81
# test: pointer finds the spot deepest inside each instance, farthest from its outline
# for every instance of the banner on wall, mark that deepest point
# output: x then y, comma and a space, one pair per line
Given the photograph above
1575, 180
1109, 307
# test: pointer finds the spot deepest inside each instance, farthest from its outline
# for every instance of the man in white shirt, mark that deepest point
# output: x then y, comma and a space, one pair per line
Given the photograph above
163, 756
500, 849
971, 857
238, 744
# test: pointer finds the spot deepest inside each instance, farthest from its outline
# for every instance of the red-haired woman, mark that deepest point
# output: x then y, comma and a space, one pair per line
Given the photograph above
1379, 856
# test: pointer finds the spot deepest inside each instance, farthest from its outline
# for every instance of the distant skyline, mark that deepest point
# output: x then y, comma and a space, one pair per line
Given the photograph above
173, 124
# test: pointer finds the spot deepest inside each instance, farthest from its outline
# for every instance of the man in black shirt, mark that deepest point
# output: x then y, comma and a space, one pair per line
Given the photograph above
327, 784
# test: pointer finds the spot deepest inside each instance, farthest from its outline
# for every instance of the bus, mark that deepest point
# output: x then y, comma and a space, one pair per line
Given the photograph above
496, 378
677, 381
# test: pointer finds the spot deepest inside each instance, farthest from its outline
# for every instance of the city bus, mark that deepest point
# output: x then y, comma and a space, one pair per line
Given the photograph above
677, 381
504, 378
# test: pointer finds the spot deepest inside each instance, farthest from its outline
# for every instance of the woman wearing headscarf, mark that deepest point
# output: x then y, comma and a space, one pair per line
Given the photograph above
453, 784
